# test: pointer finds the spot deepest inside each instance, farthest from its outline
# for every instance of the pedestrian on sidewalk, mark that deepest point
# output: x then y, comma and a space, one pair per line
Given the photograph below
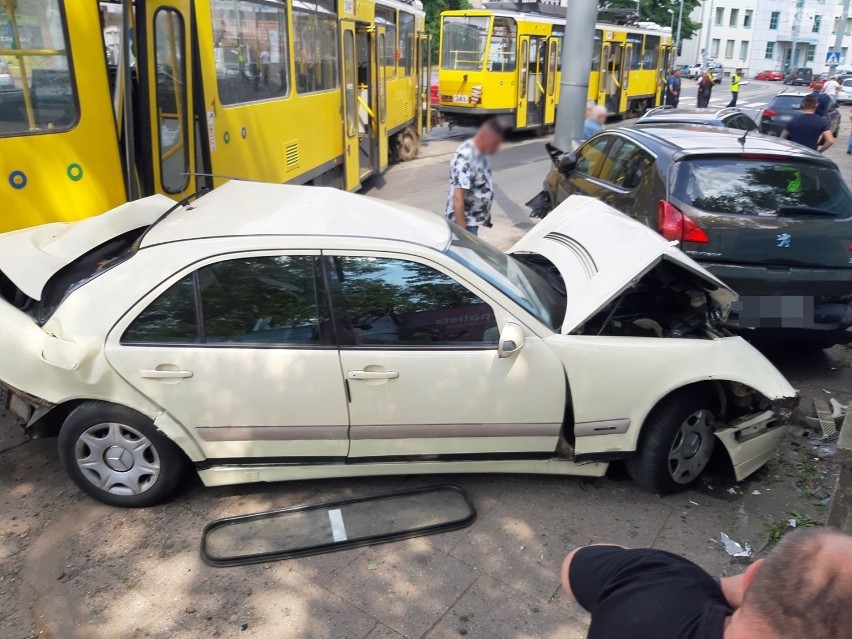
808, 128
801, 589
736, 77
673, 89
705, 88
471, 186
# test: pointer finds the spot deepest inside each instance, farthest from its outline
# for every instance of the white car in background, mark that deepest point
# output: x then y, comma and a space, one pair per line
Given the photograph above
268, 332
844, 93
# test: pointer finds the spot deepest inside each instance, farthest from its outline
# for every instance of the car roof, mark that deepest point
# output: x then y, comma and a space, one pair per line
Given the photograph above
686, 116
691, 139
240, 208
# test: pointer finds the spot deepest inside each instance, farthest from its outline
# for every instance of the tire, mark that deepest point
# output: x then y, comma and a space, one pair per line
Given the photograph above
676, 443
407, 144
117, 456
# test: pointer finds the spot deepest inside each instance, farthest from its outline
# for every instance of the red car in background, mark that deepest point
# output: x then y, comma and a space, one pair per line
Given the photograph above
769, 74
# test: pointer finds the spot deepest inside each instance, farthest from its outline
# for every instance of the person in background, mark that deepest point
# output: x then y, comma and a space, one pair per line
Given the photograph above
801, 589
673, 89
595, 121
471, 186
849, 144
808, 128
823, 101
590, 104
705, 88
830, 89
736, 77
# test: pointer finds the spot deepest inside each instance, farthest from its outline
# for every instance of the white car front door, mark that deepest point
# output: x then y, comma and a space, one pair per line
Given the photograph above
419, 354
241, 353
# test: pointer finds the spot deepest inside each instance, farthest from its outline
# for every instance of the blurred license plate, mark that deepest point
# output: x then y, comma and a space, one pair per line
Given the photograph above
784, 118
778, 311
461, 99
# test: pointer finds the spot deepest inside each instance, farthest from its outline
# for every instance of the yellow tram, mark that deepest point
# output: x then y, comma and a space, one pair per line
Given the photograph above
322, 92
506, 60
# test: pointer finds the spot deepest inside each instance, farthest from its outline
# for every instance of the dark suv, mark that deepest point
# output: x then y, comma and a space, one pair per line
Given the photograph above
730, 117
786, 106
801, 75
770, 218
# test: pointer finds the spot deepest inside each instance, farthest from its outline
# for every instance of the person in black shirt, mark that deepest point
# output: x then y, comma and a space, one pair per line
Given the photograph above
823, 101
803, 588
808, 128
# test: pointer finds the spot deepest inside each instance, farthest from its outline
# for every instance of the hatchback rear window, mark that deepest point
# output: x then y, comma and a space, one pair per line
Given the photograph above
762, 187
786, 102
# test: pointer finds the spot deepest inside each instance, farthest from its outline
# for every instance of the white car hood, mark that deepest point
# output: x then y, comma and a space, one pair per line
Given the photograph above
600, 252
30, 257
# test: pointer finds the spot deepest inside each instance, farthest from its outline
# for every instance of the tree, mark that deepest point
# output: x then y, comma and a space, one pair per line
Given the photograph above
658, 11
433, 15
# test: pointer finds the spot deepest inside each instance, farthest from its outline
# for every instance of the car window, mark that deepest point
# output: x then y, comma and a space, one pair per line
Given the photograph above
590, 156
394, 302
169, 319
625, 164
763, 187
739, 121
263, 300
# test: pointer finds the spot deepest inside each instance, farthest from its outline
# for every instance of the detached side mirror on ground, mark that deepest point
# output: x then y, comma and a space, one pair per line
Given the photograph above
511, 340
566, 164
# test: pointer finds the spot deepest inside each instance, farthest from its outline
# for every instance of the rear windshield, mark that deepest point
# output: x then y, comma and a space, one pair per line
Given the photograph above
787, 101
762, 187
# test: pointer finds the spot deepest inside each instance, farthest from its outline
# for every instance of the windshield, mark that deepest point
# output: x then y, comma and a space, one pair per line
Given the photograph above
501, 50
463, 42
519, 282
787, 102
763, 187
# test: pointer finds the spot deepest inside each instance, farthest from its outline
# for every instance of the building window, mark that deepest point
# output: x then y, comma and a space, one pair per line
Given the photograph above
714, 48
735, 18
834, 25
844, 51
744, 50
729, 49
849, 26
811, 52
747, 19
817, 23
720, 16
770, 51
773, 19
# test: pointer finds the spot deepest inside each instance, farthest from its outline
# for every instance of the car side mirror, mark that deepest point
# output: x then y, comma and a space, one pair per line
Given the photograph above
567, 163
511, 340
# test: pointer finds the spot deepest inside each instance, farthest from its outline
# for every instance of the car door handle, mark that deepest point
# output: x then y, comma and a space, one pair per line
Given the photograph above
372, 375
164, 374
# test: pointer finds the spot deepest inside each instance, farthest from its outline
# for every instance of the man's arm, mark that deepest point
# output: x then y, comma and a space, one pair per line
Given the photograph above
827, 139
458, 206
785, 133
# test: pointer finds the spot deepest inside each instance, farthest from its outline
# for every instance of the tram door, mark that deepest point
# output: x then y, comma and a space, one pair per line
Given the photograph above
611, 63
366, 97
352, 168
424, 74
550, 79
523, 74
167, 58
667, 55
536, 81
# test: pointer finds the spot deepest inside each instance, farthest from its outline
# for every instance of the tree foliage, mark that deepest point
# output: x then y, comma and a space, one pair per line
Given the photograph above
658, 11
433, 10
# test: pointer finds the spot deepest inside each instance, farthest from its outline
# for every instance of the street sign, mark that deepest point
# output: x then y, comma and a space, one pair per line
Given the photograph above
832, 58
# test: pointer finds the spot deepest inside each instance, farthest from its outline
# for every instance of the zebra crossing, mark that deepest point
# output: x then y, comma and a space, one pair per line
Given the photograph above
690, 101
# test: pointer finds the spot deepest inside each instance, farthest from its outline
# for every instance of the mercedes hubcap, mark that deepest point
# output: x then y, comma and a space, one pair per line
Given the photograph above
117, 458
692, 447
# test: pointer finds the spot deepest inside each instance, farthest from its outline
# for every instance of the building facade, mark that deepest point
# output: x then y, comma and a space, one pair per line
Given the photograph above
769, 34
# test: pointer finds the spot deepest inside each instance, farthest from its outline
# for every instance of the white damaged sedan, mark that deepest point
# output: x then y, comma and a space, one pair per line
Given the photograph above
267, 333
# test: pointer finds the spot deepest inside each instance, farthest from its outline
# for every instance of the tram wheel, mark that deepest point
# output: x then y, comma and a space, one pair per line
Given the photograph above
407, 144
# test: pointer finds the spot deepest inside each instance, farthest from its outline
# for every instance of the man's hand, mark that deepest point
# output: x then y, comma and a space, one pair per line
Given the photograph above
458, 207
827, 140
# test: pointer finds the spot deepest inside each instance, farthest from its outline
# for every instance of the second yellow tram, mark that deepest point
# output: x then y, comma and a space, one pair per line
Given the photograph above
506, 60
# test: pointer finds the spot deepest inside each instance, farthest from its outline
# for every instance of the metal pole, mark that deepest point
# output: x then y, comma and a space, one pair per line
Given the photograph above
127, 73
679, 22
838, 39
577, 53
706, 55
638, 10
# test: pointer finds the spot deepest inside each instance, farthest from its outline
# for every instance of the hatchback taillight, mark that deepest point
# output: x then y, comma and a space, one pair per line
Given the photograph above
675, 226
769, 113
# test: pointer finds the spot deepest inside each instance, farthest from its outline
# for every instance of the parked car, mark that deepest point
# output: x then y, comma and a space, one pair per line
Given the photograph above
770, 218
730, 117
770, 74
324, 334
844, 94
786, 106
716, 67
799, 76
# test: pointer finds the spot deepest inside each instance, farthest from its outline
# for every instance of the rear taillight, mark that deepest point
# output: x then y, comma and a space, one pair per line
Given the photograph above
675, 226
769, 113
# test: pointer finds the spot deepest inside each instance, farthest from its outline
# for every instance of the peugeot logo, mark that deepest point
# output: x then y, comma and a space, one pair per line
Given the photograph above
783, 240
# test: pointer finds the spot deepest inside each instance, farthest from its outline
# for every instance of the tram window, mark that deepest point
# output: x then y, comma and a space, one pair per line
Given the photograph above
406, 43
171, 100
39, 95
387, 18
635, 61
652, 49
315, 45
501, 53
250, 50
463, 42
558, 34
596, 55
